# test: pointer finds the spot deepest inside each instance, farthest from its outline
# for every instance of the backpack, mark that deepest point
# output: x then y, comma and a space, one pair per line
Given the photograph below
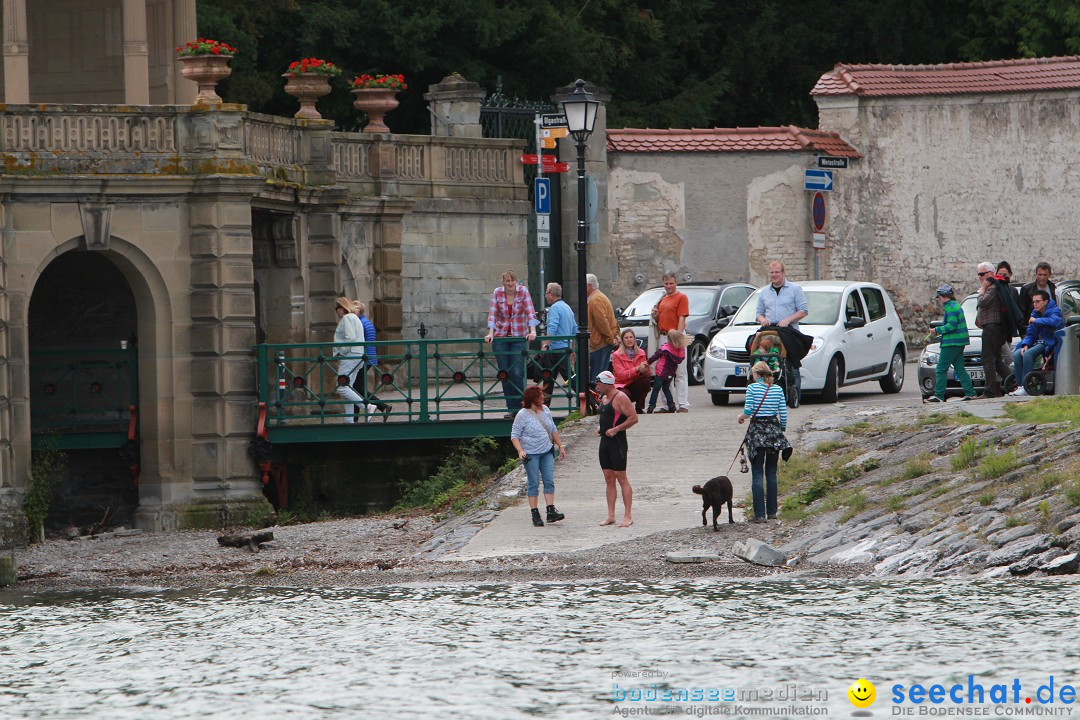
1014, 318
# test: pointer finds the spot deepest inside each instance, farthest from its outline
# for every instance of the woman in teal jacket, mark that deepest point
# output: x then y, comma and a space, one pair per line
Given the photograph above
954, 338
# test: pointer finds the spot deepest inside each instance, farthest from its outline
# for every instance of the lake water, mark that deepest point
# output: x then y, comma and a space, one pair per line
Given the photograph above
532, 650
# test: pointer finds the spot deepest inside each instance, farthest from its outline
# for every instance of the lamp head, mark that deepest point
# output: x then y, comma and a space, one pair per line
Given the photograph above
580, 108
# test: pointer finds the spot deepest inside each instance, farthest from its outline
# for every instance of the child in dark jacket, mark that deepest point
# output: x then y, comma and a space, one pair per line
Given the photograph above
667, 360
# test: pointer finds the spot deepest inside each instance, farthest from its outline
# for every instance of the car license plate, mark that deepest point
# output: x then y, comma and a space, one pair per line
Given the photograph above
976, 374
742, 370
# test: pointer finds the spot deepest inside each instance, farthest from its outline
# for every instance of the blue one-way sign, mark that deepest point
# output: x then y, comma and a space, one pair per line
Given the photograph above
542, 196
818, 180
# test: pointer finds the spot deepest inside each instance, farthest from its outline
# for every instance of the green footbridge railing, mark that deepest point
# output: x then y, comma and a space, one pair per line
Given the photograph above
450, 388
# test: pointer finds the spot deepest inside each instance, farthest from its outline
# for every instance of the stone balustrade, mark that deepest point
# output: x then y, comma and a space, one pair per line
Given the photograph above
229, 140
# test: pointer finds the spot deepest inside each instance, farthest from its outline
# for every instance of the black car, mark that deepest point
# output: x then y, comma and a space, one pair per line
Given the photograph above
710, 304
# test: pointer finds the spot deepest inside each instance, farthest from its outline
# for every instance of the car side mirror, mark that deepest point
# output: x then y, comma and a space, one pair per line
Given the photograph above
855, 322
1072, 320
726, 310
725, 321
936, 323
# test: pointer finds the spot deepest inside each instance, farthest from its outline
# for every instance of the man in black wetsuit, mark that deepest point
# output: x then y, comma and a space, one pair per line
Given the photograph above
616, 415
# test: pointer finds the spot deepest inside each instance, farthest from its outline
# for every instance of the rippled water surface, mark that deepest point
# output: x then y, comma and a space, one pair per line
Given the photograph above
511, 651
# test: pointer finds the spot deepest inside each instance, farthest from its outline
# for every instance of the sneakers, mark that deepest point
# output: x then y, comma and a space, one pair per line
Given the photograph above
758, 520
1019, 392
934, 399
683, 410
554, 515
650, 411
968, 397
537, 520
771, 517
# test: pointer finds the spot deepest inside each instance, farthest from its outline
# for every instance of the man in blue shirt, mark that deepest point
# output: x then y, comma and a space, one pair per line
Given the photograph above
782, 303
560, 321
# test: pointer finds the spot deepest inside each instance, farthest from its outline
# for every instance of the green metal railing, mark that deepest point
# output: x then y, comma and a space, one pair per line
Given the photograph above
429, 384
84, 397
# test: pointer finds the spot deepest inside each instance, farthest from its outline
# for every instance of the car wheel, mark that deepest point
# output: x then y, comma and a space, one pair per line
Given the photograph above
894, 381
719, 398
832, 381
695, 356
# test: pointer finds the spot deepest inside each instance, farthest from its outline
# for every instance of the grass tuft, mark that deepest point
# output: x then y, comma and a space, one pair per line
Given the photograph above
968, 453
994, 466
1046, 410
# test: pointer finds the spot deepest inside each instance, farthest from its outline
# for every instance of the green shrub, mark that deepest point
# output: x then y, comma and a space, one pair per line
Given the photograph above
47, 468
871, 464
994, 466
968, 453
916, 467
895, 504
1013, 521
1046, 410
986, 499
1072, 493
468, 464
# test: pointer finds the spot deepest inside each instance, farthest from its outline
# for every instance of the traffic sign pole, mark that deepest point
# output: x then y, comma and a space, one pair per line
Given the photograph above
539, 175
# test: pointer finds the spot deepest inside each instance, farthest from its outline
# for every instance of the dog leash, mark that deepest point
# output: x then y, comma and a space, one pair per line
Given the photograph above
743, 443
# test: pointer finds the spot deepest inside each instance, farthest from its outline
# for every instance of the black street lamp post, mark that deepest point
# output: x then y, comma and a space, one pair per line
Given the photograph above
580, 108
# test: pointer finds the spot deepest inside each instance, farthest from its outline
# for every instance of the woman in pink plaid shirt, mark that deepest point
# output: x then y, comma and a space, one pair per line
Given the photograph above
511, 326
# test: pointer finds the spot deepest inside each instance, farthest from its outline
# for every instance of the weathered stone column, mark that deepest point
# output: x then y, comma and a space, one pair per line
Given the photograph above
324, 272
223, 396
136, 54
386, 310
455, 107
16, 53
12, 519
184, 90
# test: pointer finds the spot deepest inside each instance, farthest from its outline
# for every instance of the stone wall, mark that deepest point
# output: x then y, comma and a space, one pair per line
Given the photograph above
705, 216
950, 181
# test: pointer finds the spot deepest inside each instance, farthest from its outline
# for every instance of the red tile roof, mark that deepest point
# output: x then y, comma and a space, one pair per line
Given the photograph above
999, 76
761, 139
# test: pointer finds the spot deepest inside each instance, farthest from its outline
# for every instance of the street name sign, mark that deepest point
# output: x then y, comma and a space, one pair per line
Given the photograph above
832, 163
818, 180
553, 120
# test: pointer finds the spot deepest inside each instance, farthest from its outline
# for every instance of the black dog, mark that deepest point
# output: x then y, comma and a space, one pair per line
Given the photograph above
715, 493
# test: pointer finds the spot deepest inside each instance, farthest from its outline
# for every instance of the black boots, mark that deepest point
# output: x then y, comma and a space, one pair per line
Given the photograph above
553, 515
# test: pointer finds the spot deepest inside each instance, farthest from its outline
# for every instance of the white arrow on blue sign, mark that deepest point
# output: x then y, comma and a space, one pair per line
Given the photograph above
818, 180
542, 195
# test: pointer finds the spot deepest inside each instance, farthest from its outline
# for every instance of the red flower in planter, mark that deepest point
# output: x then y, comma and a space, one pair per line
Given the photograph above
392, 82
203, 46
313, 66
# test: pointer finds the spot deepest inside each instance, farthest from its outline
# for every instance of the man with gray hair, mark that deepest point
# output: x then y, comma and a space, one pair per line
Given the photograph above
560, 322
603, 328
991, 319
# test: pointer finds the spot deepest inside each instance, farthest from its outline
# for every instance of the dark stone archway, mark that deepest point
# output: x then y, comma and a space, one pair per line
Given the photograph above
82, 324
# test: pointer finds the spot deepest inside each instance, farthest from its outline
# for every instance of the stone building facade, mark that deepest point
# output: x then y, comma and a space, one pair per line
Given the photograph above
710, 204
962, 163
186, 234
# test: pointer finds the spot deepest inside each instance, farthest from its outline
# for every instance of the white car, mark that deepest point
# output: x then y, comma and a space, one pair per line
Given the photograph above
857, 337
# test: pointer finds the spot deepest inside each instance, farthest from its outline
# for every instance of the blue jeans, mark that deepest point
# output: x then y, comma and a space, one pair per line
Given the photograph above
599, 361
658, 384
763, 482
508, 357
1023, 364
537, 466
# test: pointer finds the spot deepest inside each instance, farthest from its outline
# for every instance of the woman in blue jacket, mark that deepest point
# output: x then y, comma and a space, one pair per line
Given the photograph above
1040, 339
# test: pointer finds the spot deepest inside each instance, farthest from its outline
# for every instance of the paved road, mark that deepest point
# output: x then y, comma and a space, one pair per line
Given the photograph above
668, 455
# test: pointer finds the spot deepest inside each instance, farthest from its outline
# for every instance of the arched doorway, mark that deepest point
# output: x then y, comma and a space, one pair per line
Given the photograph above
83, 382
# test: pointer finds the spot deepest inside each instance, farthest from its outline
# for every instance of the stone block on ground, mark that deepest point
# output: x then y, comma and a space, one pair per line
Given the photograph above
1063, 565
1018, 549
1032, 563
9, 573
691, 556
754, 551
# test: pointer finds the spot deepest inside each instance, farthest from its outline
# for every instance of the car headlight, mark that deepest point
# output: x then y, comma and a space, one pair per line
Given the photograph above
816, 345
717, 351
929, 359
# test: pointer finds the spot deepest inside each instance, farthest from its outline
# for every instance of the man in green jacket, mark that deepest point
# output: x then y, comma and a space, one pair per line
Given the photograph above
954, 338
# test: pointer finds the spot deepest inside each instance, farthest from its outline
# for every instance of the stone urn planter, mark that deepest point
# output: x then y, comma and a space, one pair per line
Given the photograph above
307, 88
207, 71
375, 103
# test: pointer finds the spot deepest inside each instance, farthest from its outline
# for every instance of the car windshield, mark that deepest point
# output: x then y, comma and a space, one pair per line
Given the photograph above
824, 308
702, 301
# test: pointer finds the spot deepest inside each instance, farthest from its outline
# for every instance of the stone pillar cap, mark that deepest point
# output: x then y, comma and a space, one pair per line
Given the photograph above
454, 86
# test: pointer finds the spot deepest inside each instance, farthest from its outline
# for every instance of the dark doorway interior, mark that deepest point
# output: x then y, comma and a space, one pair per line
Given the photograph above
82, 332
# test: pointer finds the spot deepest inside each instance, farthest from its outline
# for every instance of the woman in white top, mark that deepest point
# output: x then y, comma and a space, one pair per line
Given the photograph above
349, 330
535, 438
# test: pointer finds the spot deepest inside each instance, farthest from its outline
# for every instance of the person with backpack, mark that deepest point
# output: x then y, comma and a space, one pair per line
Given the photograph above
997, 328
